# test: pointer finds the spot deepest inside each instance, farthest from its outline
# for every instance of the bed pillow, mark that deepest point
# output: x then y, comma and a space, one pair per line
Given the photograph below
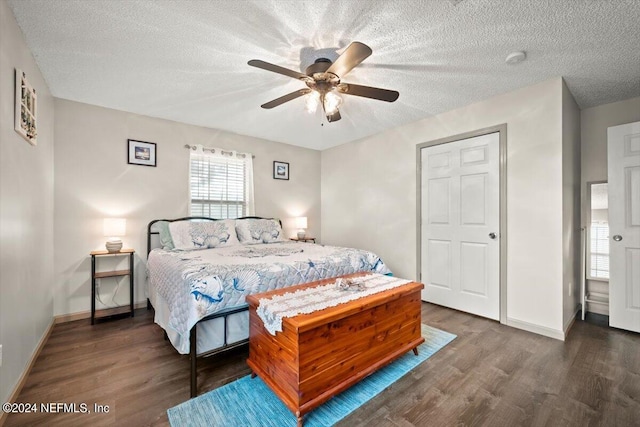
203, 234
166, 242
255, 231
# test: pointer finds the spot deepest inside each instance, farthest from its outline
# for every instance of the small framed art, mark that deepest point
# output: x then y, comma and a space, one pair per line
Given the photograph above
142, 153
280, 170
26, 108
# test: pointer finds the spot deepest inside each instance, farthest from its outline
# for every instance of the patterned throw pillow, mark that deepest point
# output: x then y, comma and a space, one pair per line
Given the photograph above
203, 235
166, 242
255, 231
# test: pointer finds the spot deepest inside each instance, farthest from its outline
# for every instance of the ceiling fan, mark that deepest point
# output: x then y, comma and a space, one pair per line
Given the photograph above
323, 80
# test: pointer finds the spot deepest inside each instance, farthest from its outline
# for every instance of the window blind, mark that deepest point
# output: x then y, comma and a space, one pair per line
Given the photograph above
599, 260
221, 185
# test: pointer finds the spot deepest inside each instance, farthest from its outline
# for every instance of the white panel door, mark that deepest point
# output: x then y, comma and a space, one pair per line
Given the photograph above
460, 251
624, 226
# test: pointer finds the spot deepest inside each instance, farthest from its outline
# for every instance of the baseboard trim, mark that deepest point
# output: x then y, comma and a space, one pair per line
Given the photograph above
64, 318
27, 370
571, 321
536, 329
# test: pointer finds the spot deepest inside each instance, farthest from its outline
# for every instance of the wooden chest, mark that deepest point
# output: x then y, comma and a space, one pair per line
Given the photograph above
319, 355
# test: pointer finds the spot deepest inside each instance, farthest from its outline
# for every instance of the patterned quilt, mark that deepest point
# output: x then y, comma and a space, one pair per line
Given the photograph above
198, 283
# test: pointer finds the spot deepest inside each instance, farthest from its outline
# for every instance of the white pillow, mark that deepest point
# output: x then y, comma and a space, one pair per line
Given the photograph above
203, 234
255, 231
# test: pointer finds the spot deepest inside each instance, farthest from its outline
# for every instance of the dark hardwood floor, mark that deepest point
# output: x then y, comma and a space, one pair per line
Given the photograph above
491, 375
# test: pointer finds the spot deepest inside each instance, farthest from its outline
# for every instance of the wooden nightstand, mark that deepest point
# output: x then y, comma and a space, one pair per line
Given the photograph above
115, 273
304, 239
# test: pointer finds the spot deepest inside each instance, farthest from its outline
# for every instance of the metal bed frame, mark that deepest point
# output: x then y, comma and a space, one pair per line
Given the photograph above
193, 356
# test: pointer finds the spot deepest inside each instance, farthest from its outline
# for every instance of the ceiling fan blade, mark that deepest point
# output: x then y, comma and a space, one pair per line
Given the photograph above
368, 92
334, 117
286, 98
277, 69
355, 53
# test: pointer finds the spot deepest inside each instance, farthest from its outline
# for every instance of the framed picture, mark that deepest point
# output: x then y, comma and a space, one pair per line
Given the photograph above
280, 170
26, 109
142, 153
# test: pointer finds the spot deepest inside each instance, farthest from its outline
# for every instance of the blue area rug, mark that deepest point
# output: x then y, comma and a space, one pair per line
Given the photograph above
250, 402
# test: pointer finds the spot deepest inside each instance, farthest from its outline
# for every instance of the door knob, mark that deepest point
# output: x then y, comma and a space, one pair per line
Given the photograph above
617, 237
493, 235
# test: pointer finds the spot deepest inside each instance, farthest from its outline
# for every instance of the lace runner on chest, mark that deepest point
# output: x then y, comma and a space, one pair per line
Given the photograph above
304, 301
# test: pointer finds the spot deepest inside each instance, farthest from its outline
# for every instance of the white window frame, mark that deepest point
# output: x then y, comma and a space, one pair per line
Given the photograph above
220, 195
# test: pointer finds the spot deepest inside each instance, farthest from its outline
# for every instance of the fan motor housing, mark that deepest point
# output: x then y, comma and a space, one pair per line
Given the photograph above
322, 81
321, 65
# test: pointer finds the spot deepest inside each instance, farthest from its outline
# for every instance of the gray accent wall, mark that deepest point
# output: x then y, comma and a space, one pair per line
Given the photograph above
26, 213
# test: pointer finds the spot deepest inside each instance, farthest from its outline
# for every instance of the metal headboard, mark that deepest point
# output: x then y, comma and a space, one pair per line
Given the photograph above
191, 218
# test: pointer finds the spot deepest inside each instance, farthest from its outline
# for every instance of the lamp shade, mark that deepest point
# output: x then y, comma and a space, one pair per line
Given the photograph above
115, 227
301, 222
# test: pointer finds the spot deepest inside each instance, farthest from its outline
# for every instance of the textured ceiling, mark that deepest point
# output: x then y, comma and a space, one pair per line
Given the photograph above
187, 60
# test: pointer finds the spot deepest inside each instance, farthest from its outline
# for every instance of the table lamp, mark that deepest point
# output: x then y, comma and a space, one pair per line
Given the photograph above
301, 225
113, 229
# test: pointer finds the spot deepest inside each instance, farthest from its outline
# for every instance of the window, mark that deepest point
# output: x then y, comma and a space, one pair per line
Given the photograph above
599, 232
220, 183
599, 251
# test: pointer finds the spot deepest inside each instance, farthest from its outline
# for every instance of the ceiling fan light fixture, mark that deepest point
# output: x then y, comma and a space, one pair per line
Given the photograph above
311, 102
331, 102
324, 83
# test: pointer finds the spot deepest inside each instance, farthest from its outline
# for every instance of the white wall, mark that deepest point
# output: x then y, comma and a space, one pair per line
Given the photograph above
369, 195
26, 213
570, 207
594, 124
93, 180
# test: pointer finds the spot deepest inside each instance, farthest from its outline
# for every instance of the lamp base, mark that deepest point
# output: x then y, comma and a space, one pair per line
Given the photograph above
301, 235
113, 246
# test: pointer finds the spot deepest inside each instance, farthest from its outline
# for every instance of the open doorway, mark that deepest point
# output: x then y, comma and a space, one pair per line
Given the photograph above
597, 249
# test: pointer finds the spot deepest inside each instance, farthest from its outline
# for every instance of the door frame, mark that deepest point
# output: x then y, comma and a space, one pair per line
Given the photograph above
502, 177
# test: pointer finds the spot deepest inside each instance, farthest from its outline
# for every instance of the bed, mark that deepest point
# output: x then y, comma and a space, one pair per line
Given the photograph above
201, 269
